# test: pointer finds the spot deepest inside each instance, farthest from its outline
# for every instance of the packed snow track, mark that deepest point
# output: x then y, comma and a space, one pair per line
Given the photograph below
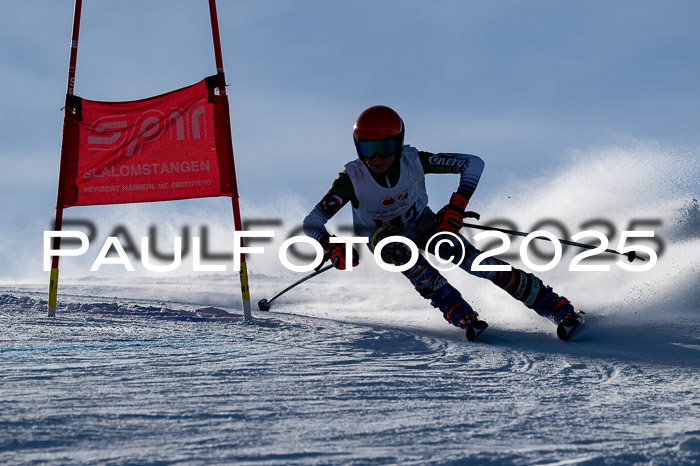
131, 382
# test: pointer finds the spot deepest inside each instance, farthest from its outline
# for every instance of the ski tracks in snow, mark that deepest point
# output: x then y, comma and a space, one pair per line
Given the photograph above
135, 382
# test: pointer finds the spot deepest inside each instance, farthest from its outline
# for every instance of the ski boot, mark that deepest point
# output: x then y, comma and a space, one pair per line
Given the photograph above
460, 314
560, 311
542, 299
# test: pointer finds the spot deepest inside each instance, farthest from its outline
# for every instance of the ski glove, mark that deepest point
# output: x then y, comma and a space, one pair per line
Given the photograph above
450, 218
336, 252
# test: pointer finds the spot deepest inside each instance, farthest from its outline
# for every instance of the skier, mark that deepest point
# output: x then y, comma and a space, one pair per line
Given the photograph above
385, 186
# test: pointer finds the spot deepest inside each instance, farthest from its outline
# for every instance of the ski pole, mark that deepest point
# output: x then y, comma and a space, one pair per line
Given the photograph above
264, 304
632, 255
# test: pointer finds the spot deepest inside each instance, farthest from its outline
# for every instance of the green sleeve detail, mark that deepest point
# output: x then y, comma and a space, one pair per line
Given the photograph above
425, 162
343, 188
468, 166
437, 167
341, 193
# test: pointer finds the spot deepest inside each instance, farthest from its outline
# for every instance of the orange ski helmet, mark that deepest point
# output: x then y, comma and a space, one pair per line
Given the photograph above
379, 130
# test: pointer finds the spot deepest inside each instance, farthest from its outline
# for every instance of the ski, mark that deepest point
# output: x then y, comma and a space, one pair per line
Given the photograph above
473, 331
570, 325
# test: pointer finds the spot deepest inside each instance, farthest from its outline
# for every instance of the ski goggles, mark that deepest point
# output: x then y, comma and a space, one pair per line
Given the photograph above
385, 148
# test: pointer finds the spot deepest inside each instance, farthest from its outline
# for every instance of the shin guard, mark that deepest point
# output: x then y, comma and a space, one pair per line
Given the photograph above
430, 284
433, 286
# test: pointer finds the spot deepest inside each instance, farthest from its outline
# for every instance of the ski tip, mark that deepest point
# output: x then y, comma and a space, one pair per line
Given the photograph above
569, 326
473, 331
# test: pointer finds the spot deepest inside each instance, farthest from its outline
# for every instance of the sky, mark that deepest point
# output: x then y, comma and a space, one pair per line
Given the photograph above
524, 85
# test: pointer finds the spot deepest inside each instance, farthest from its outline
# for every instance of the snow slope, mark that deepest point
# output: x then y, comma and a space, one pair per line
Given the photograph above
356, 368
120, 381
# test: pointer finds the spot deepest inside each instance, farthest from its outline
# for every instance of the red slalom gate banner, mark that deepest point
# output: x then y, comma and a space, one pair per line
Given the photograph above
168, 147
172, 146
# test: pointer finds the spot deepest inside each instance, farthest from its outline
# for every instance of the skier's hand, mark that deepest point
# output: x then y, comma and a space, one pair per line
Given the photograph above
338, 256
451, 217
336, 252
